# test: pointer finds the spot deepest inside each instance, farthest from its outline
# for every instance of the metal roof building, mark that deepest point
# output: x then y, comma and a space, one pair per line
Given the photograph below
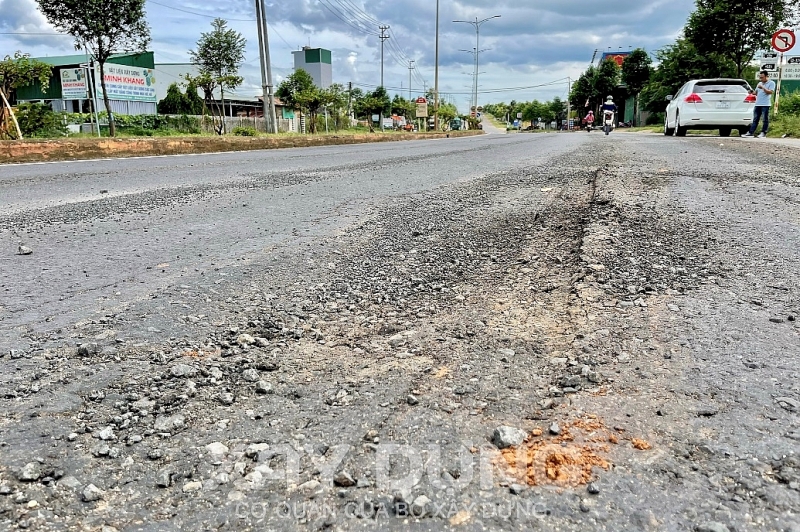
130, 83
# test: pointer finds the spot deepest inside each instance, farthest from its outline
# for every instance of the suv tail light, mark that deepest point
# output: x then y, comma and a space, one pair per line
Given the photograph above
751, 98
693, 98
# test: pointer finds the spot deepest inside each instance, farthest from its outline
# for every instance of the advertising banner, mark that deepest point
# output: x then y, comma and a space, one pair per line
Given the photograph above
73, 84
422, 108
129, 83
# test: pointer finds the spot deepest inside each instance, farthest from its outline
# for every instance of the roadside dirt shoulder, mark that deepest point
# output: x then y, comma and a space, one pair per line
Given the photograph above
79, 149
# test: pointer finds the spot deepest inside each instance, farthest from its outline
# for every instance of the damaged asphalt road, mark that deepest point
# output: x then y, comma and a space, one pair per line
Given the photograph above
546, 332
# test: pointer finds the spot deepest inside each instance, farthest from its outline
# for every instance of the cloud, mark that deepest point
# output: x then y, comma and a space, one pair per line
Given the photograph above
534, 42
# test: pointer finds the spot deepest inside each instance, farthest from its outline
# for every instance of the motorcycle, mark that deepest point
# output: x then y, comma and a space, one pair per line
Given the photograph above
608, 121
589, 127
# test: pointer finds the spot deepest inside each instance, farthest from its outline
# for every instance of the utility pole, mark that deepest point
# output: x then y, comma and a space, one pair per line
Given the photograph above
436, 75
350, 103
569, 109
264, 98
410, 68
266, 68
383, 38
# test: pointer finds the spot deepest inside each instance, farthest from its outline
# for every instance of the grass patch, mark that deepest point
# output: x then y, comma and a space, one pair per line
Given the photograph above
641, 129
788, 125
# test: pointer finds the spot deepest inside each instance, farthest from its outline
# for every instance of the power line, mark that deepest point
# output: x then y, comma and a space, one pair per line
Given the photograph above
358, 19
366, 16
359, 16
487, 91
271, 27
34, 33
341, 16
200, 14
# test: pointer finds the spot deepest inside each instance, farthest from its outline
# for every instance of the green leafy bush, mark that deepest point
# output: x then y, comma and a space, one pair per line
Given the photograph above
790, 104
244, 132
39, 120
784, 124
655, 119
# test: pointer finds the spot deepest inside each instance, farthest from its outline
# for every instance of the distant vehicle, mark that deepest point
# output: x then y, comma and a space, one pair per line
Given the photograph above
723, 104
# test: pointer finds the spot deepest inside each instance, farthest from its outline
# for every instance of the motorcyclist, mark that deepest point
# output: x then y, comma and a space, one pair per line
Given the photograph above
610, 105
589, 119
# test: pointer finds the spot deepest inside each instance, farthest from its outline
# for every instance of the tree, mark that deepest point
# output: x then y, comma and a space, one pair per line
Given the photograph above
636, 71
735, 30
174, 103
19, 71
218, 56
103, 27
403, 107
447, 112
337, 102
678, 63
558, 108
583, 93
606, 80
299, 91
194, 104
377, 102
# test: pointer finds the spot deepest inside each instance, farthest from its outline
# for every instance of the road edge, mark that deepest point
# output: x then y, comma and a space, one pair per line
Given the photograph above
34, 151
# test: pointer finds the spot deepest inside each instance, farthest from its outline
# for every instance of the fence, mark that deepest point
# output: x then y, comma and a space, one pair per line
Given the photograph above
257, 123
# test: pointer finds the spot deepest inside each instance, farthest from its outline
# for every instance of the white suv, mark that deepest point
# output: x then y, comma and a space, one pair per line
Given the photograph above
724, 104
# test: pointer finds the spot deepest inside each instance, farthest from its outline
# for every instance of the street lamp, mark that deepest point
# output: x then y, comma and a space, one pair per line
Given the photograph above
477, 23
475, 52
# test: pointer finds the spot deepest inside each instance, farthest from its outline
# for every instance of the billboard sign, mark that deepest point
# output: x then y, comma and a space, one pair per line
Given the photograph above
617, 57
123, 82
422, 107
73, 84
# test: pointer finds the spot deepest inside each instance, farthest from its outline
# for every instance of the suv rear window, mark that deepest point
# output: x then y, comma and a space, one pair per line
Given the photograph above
721, 88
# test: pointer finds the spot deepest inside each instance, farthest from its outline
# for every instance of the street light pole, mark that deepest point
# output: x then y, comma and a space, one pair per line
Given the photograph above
477, 23
474, 96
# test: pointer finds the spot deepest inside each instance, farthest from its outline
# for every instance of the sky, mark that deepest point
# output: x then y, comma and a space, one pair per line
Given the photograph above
527, 53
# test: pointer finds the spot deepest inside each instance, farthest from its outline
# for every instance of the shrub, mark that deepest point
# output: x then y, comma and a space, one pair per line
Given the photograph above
790, 104
655, 119
244, 132
784, 124
39, 120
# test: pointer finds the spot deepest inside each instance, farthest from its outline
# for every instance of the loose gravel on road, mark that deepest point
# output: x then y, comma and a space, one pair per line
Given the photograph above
523, 332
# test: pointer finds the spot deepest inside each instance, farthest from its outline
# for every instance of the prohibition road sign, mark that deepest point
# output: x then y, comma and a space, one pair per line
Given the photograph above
783, 40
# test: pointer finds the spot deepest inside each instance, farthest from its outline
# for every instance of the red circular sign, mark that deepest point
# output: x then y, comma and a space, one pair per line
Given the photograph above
783, 40
422, 99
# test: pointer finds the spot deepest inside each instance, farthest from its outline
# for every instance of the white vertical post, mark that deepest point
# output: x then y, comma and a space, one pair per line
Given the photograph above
778, 87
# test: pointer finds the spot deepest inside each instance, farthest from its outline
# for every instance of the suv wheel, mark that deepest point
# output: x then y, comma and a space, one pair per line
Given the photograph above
668, 131
679, 131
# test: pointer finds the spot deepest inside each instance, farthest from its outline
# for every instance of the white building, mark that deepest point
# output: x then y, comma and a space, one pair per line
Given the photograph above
317, 62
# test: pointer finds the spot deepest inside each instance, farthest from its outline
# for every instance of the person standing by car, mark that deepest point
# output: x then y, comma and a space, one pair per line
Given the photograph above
763, 92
